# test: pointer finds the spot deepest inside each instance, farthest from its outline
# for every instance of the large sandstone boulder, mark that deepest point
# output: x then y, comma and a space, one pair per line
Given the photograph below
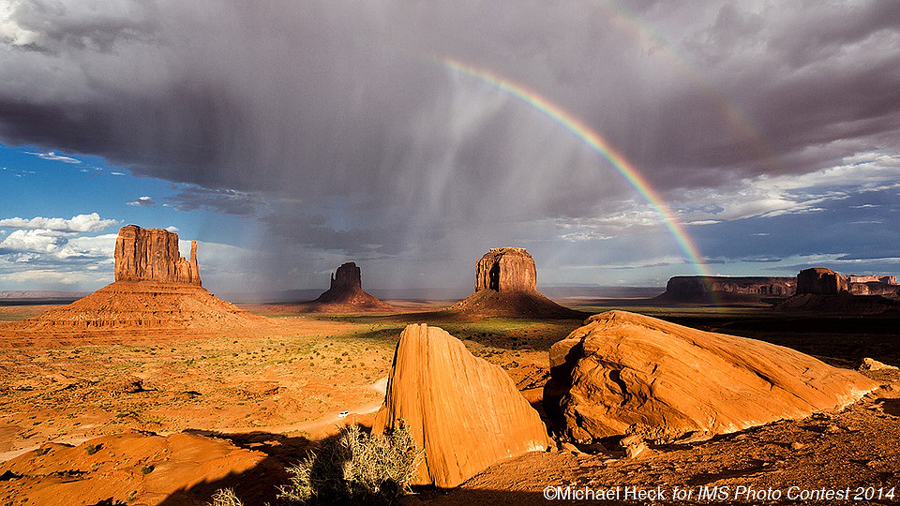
819, 281
624, 372
464, 412
152, 255
346, 293
506, 285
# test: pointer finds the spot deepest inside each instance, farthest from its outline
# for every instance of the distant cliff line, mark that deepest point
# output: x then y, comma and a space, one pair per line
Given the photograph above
755, 288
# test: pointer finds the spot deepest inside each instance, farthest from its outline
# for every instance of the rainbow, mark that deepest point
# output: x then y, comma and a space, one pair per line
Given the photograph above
598, 144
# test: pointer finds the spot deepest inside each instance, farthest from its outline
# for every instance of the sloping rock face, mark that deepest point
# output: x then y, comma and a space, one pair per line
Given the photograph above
506, 285
628, 373
152, 255
820, 281
136, 305
346, 293
705, 288
464, 412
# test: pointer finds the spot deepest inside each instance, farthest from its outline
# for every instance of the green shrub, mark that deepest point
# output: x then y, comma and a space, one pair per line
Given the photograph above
92, 449
354, 467
147, 468
225, 497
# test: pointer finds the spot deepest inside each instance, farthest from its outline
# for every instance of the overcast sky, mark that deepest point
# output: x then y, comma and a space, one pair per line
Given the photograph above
289, 137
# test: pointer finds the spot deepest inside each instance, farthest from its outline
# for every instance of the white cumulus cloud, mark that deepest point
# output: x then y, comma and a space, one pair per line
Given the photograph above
80, 223
142, 202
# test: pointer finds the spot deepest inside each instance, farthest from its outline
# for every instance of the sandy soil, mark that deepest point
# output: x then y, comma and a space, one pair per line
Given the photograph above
259, 400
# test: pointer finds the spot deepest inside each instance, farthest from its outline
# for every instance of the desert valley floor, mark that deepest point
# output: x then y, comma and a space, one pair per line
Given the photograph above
180, 416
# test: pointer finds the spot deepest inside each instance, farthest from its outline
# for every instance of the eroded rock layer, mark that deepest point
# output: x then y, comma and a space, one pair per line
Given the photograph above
152, 255
709, 288
464, 412
624, 372
128, 306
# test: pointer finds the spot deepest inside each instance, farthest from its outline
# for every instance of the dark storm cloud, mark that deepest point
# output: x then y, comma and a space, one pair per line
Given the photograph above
227, 201
344, 111
52, 26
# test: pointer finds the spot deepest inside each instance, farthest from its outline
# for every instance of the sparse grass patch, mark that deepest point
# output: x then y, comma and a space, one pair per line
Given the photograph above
354, 467
225, 497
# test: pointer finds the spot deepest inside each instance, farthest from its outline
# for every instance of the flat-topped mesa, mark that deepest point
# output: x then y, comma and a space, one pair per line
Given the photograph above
152, 255
506, 270
709, 288
819, 281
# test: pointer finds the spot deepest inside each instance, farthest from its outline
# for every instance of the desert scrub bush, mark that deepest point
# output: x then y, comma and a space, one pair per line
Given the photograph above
225, 497
92, 449
354, 467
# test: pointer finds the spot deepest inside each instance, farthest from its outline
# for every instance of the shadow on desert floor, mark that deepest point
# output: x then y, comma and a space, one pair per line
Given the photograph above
255, 486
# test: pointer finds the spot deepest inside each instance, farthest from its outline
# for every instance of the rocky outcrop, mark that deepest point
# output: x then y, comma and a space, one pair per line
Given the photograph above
152, 255
464, 412
886, 279
627, 373
819, 281
506, 270
874, 288
718, 288
346, 293
825, 291
506, 285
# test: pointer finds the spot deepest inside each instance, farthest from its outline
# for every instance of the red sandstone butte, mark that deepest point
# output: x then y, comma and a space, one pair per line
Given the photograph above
819, 281
506, 285
152, 255
155, 290
346, 293
464, 412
